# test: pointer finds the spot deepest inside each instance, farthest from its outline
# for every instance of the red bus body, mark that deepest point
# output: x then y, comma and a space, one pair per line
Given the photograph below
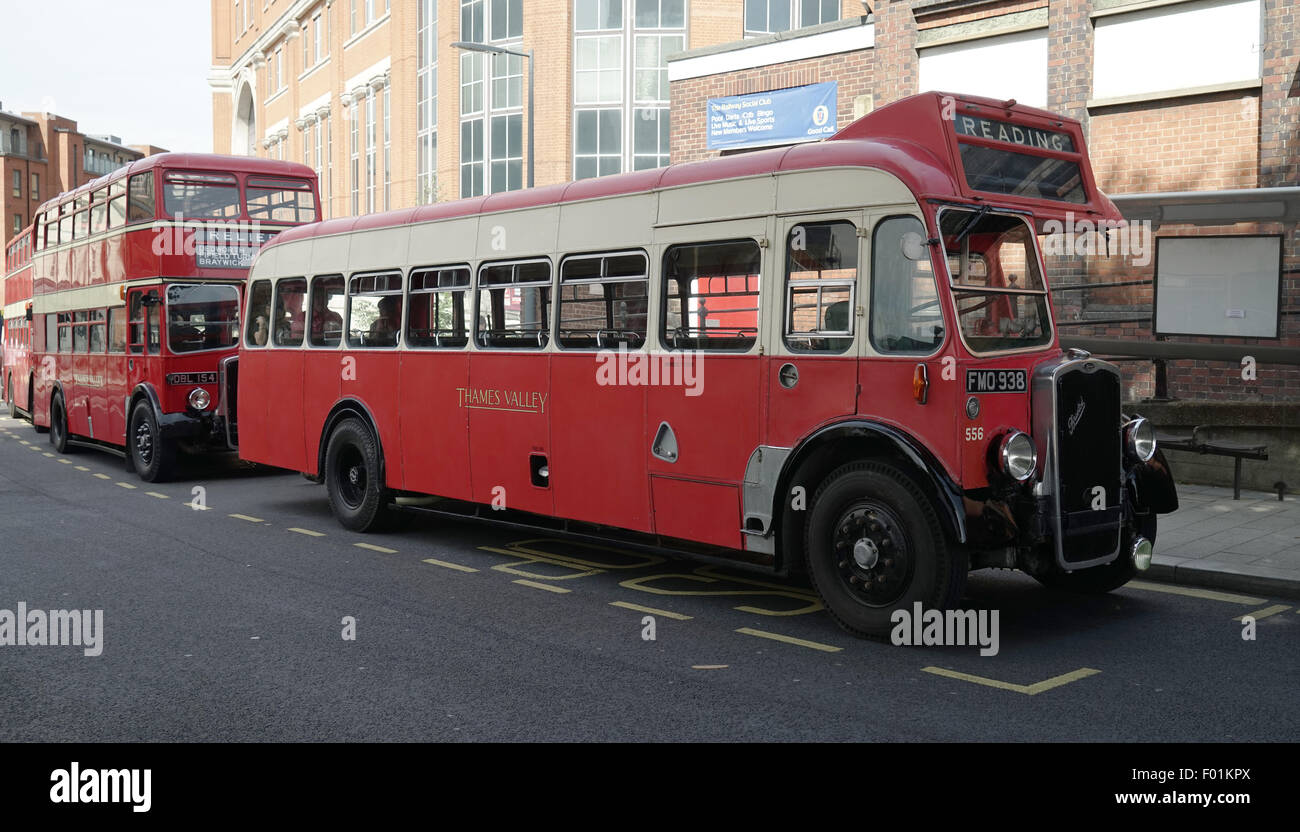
135, 285
17, 317
930, 388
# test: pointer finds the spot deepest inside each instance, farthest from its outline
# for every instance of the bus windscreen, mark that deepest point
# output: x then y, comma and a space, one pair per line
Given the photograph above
280, 200
1019, 174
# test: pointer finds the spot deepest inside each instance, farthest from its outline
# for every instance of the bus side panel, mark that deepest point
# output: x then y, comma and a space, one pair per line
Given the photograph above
509, 422
113, 395
76, 394
371, 381
826, 389
435, 428
887, 396
716, 418
603, 447
322, 372
284, 380
255, 399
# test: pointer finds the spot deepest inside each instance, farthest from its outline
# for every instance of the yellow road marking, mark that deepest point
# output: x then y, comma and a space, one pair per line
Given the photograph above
457, 566
103, 476
665, 613
815, 645
24, 441
709, 666
196, 507
372, 547
156, 494
307, 532
246, 517
1193, 592
34, 448
125, 485
47, 453
547, 587
81, 468
1028, 690
66, 461
1264, 613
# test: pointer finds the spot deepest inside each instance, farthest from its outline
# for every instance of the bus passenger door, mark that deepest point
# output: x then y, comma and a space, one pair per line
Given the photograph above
812, 368
703, 402
144, 338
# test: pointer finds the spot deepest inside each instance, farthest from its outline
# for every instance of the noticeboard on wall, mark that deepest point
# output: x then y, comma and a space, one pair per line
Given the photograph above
1218, 285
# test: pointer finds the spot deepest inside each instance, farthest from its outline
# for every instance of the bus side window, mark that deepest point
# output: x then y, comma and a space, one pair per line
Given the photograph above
374, 309
711, 296
117, 329
906, 317
603, 301
327, 303
259, 314
51, 333
290, 306
439, 315
140, 206
821, 273
514, 304
65, 332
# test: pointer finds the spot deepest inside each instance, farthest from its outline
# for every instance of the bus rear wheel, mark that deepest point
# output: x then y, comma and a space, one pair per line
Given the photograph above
59, 424
875, 545
353, 479
153, 458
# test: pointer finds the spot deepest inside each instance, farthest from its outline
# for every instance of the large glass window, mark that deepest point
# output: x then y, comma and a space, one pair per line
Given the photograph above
514, 304
426, 108
603, 301
290, 312
906, 317
821, 273
765, 17
439, 313
327, 307
491, 101
374, 309
280, 200
711, 296
999, 291
197, 195
117, 329
202, 317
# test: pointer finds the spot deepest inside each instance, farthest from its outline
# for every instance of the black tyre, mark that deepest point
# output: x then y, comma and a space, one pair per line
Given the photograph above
874, 544
59, 424
353, 478
153, 457
1102, 579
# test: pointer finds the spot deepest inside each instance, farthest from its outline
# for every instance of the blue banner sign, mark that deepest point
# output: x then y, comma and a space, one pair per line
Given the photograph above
798, 114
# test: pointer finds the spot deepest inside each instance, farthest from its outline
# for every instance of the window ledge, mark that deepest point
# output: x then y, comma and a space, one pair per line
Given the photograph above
350, 42
322, 63
1185, 92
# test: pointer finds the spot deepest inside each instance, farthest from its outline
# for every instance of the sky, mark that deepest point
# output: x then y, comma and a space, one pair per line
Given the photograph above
136, 69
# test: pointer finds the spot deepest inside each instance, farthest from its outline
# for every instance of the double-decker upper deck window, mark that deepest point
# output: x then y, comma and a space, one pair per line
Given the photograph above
202, 317
439, 314
280, 200
140, 204
821, 272
603, 300
290, 312
198, 195
993, 265
711, 296
906, 316
327, 307
374, 309
514, 303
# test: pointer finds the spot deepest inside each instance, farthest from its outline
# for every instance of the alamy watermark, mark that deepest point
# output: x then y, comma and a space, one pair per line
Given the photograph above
945, 628
25, 627
624, 367
1089, 238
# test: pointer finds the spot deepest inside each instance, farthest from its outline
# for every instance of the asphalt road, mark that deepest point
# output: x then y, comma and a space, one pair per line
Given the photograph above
228, 624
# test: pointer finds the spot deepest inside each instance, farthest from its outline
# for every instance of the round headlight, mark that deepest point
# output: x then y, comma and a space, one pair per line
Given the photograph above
1140, 439
1018, 456
199, 399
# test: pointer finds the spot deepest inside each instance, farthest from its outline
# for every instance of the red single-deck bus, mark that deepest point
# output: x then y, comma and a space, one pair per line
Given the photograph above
136, 281
17, 344
837, 355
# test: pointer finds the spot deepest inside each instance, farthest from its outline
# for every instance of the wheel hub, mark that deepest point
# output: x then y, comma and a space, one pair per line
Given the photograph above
354, 475
866, 553
873, 553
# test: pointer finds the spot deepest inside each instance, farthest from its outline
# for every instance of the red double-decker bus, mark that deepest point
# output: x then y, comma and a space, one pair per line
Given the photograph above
135, 292
836, 356
17, 341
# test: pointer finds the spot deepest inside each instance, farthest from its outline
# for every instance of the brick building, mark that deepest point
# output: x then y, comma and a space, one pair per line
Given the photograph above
43, 155
372, 94
1191, 108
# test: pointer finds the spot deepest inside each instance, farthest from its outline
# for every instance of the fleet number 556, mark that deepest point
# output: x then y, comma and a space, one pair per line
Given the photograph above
974, 434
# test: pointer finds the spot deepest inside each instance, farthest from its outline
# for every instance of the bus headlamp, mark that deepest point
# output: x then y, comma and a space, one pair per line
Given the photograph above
200, 399
1140, 439
1017, 456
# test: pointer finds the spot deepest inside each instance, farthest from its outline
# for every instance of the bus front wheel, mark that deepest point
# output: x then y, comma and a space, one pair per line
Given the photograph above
153, 458
352, 477
875, 545
59, 424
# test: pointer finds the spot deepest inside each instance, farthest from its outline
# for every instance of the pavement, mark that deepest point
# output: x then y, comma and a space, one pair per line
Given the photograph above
1249, 545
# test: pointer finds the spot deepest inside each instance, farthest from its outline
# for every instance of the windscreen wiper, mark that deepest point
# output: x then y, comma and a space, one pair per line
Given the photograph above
970, 224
